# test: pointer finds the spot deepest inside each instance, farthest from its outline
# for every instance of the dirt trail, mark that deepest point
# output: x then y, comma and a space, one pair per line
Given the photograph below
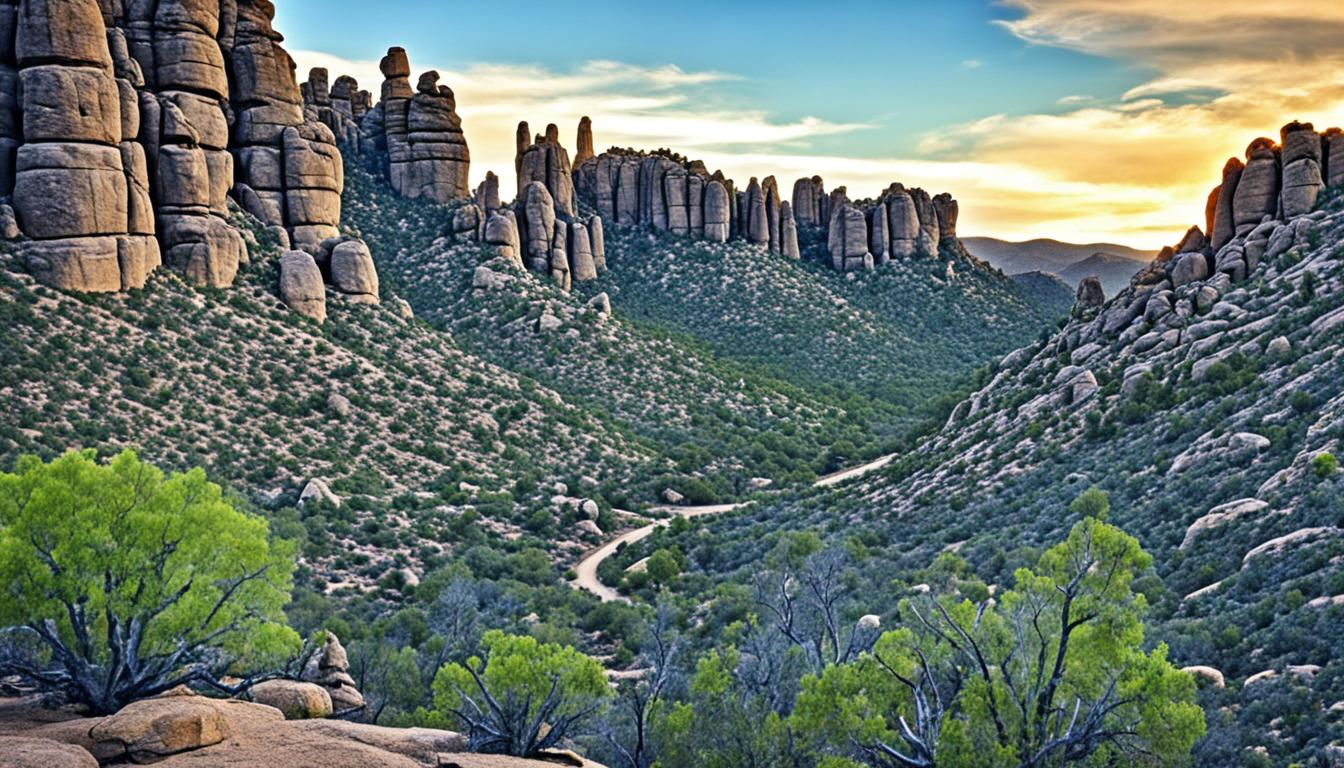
587, 568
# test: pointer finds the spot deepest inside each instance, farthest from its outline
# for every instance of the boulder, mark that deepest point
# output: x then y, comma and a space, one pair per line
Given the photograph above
20, 752
1224, 226
318, 490
879, 235
1334, 157
205, 249
296, 700
68, 32
353, 272
301, 286
154, 729
85, 264
758, 222
848, 240
599, 243
1188, 268
547, 162
808, 195
1090, 297
501, 231
580, 251
62, 103
1207, 674
902, 223
948, 211
64, 190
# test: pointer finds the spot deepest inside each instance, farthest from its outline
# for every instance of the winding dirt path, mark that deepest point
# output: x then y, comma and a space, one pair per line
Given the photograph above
587, 568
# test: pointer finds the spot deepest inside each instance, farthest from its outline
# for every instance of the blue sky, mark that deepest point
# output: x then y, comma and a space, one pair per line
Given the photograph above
978, 98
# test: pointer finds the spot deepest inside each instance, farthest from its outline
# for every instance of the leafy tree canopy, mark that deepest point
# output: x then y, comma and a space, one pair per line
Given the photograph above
133, 581
523, 697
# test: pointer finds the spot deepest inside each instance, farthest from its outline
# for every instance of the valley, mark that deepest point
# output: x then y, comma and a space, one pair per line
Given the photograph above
322, 444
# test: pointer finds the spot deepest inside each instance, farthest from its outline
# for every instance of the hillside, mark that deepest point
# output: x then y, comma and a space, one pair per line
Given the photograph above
1211, 411
686, 362
911, 328
1114, 264
414, 437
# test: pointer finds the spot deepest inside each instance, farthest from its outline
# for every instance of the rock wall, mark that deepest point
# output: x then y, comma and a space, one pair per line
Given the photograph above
662, 191
1280, 181
125, 129
667, 192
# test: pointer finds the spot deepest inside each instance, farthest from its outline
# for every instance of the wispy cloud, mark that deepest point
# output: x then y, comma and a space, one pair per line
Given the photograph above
972, 64
1135, 168
646, 107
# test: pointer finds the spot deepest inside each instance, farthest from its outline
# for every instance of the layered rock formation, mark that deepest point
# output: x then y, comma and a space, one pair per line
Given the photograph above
545, 160
666, 192
413, 135
136, 121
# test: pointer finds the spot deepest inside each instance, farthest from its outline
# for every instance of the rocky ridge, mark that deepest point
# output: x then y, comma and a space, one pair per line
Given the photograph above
1205, 398
666, 192
128, 131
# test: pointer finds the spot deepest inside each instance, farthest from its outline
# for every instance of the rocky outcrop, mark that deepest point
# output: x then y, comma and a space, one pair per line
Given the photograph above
1223, 226
545, 160
1303, 181
848, 240
329, 668
295, 700
301, 286
583, 146
413, 135
1257, 194
810, 203
140, 121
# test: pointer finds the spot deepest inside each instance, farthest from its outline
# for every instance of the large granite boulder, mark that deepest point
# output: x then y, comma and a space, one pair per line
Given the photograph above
21, 752
296, 700
902, 222
1223, 227
301, 286
757, 221
788, 235
353, 272
537, 226
583, 147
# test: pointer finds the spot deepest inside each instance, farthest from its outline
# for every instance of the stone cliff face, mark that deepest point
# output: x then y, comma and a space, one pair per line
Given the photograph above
666, 192
126, 128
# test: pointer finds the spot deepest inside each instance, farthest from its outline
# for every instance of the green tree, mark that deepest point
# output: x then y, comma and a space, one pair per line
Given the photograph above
1325, 465
727, 722
1093, 502
1053, 674
523, 697
135, 582
663, 567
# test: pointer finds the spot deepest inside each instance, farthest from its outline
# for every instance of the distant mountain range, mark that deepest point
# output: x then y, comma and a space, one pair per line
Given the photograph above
1114, 264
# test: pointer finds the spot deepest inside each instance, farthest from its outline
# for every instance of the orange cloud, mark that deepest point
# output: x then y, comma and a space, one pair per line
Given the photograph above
1135, 170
